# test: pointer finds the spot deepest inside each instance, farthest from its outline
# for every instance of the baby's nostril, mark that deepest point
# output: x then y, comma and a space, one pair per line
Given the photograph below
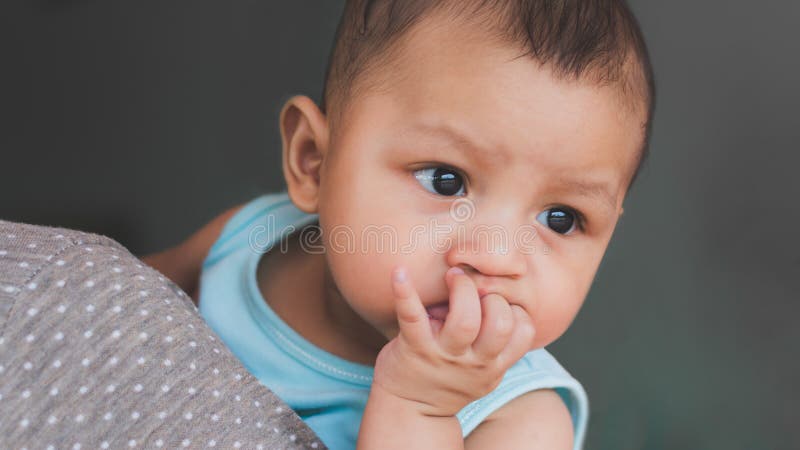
466, 268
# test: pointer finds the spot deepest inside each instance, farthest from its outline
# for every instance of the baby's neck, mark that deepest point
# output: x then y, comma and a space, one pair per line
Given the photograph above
298, 286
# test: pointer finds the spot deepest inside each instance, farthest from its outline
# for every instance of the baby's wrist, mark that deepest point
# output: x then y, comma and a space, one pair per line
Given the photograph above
407, 406
392, 422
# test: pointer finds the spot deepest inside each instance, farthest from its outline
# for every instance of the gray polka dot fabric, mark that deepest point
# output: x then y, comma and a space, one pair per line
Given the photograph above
98, 350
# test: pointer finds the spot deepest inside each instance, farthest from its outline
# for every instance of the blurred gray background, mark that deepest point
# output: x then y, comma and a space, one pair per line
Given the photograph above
143, 120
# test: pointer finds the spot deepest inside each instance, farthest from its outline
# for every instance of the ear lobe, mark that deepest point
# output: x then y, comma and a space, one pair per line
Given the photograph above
304, 133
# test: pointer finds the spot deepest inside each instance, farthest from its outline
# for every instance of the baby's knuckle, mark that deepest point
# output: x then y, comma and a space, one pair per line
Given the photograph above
465, 325
479, 365
495, 369
410, 316
503, 326
527, 330
450, 359
488, 385
426, 355
528, 327
521, 317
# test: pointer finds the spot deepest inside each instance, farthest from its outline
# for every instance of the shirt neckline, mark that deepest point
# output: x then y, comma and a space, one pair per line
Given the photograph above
291, 341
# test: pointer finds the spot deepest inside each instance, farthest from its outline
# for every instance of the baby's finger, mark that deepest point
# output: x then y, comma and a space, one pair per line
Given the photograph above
412, 318
464, 316
497, 325
521, 340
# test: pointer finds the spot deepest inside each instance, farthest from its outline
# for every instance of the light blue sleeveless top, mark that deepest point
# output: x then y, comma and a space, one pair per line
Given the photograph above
329, 393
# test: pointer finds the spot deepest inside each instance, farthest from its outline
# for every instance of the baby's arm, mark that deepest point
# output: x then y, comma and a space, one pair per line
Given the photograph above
431, 370
536, 420
183, 262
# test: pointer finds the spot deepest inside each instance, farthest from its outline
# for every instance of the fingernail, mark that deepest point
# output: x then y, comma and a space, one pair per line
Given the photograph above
456, 271
399, 275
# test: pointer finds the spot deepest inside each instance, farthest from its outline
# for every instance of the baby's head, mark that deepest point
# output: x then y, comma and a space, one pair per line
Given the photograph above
500, 137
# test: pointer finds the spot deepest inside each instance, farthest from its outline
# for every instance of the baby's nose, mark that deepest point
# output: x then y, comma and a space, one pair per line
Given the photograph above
489, 256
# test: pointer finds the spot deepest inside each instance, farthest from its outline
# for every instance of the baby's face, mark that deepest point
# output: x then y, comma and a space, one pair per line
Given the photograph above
537, 169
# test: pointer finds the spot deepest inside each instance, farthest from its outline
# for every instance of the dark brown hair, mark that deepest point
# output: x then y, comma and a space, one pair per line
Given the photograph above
595, 40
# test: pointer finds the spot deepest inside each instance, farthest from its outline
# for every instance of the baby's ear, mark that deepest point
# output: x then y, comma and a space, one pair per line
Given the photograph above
304, 132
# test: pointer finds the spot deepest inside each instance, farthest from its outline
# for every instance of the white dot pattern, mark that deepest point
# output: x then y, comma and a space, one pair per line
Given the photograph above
97, 334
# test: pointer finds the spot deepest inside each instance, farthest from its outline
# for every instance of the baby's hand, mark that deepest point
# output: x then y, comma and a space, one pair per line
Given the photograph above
440, 368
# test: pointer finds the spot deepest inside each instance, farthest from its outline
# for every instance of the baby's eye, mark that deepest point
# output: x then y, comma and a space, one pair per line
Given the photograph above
441, 180
562, 220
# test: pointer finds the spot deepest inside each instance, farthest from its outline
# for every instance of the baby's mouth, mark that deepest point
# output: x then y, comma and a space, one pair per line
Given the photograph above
438, 311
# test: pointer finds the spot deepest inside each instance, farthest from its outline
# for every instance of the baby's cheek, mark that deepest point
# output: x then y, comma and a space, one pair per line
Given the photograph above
551, 327
365, 282
556, 309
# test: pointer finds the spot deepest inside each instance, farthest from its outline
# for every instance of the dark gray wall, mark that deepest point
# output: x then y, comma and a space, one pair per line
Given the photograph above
142, 120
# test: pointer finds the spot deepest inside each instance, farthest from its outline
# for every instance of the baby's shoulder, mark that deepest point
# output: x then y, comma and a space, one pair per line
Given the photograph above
182, 263
534, 382
536, 419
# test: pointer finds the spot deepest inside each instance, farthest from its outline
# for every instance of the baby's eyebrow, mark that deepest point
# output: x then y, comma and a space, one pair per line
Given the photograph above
461, 139
594, 189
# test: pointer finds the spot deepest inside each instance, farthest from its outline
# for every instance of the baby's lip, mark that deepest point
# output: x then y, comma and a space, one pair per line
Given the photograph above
438, 311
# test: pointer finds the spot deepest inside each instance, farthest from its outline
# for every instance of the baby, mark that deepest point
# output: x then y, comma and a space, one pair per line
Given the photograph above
446, 210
